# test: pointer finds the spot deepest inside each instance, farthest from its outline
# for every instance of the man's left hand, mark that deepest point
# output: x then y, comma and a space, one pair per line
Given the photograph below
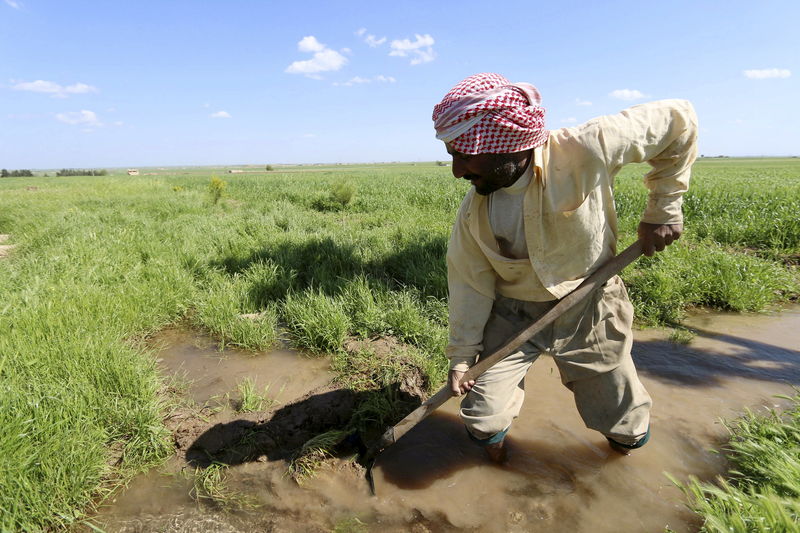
656, 237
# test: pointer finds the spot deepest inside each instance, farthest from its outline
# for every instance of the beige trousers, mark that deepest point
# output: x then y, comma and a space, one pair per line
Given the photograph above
591, 345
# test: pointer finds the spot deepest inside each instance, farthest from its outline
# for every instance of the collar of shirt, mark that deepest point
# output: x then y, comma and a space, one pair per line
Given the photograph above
538, 164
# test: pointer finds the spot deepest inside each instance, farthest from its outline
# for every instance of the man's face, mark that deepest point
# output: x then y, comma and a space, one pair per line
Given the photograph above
489, 172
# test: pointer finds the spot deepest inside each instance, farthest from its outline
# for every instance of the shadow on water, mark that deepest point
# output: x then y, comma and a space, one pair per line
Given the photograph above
693, 365
328, 265
439, 446
282, 435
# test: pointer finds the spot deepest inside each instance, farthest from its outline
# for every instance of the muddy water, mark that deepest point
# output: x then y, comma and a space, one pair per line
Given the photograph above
210, 374
560, 476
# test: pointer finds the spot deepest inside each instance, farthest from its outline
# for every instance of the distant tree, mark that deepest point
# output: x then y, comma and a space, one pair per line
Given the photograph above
269, 167
81, 172
25, 173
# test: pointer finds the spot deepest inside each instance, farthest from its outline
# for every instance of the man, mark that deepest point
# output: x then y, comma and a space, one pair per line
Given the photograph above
540, 219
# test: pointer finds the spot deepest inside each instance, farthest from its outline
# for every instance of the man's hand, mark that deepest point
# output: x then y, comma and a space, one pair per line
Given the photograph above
656, 237
455, 377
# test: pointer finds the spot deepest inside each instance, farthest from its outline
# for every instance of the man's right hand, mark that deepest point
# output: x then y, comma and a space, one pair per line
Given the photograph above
455, 378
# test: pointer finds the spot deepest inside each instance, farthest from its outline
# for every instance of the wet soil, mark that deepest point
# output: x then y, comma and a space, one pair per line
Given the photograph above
559, 477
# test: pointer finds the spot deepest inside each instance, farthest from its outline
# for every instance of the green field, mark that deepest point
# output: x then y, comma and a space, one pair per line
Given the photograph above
322, 254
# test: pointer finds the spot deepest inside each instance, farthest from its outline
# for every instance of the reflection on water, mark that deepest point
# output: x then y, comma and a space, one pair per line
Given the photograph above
560, 476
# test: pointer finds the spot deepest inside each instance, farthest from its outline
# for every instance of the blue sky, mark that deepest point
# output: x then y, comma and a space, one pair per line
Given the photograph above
106, 83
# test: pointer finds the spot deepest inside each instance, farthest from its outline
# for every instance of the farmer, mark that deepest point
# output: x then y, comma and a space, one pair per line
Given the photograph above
539, 219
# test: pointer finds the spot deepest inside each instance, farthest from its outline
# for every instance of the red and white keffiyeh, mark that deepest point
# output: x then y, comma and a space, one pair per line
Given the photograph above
486, 113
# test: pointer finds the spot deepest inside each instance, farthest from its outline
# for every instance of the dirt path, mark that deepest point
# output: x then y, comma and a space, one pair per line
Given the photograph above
5, 249
560, 476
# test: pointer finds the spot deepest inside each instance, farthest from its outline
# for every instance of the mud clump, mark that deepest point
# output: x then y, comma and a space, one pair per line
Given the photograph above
382, 352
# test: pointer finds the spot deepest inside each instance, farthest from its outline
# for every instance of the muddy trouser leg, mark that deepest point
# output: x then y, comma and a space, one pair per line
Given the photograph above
496, 399
592, 343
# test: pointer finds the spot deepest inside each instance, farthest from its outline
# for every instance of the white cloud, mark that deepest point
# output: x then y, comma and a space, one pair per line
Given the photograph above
324, 59
310, 44
82, 117
420, 50
220, 114
54, 89
569, 120
38, 86
627, 94
15, 5
79, 88
370, 39
578, 101
765, 73
357, 80
373, 41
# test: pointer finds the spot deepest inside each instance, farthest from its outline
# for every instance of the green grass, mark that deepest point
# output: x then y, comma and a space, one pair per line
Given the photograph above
681, 335
313, 453
209, 485
103, 261
350, 525
762, 492
250, 399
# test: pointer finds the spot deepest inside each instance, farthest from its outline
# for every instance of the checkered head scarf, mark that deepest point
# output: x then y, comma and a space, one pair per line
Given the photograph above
486, 113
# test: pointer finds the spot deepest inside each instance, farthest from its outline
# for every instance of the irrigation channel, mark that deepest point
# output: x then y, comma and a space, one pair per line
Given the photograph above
560, 476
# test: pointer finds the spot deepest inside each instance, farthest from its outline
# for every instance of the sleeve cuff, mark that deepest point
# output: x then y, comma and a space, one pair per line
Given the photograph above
663, 211
461, 363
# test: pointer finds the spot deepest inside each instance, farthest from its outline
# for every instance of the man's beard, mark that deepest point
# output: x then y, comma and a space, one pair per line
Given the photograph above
505, 174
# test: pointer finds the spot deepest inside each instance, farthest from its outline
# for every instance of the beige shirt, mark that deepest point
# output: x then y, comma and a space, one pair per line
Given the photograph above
568, 214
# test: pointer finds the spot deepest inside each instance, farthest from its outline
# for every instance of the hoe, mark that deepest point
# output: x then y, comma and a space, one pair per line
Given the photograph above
598, 278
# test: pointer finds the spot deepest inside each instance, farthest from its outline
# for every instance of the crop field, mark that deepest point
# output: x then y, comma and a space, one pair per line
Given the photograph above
314, 256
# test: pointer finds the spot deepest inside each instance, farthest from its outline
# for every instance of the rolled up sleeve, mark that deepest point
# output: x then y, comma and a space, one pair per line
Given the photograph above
663, 134
471, 282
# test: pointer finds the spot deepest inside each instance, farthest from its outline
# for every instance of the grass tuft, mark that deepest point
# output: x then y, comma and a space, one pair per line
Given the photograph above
317, 323
339, 197
762, 493
216, 188
314, 453
681, 335
210, 486
350, 525
250, 400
